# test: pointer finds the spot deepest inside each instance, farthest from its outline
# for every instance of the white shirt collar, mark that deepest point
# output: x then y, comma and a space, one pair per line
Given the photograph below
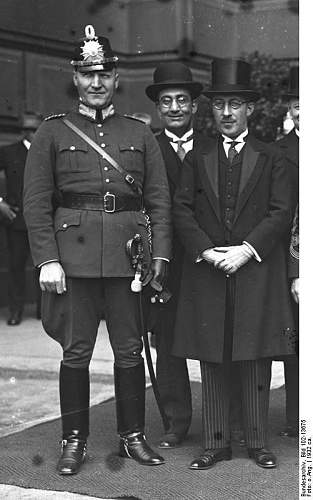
26, 143
175, 138
240, 137
297, 132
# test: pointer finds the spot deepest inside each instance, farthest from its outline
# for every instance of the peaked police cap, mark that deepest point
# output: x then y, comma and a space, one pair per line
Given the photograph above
93, 53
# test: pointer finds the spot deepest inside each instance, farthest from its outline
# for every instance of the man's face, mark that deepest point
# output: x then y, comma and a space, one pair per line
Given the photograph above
176, 109
232, 116
294, 111
96, 88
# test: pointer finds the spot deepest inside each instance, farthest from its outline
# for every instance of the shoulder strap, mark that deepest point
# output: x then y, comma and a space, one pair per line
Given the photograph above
126, 176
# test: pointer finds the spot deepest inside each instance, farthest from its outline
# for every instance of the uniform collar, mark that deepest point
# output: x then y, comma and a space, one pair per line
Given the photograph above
91, 113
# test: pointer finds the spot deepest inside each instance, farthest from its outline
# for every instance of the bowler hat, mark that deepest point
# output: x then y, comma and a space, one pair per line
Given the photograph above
293, 83
31, 121
171, 75
93, 53
231, 76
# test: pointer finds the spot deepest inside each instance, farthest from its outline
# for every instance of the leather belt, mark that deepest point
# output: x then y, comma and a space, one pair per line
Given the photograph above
108, 203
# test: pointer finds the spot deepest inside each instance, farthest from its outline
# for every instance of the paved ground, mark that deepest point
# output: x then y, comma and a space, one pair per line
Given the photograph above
29, 363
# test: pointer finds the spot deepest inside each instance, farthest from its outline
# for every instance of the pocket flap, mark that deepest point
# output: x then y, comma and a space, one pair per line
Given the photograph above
67, 220
131, 147
73, 146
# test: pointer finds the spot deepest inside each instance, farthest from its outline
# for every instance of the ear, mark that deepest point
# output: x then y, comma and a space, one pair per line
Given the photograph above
75, 78
250, 108
194, 107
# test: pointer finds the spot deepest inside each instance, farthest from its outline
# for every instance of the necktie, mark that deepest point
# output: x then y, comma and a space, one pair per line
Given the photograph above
181, 153
232, 152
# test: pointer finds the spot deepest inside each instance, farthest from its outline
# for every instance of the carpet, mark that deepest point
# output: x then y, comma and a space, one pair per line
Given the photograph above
28, 459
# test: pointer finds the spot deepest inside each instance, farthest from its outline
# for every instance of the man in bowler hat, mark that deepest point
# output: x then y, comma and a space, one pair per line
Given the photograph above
232, 210
289, 147
174, 93
12, 161
103, 200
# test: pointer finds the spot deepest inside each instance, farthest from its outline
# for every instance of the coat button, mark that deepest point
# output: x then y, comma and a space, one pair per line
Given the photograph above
107, 180
132, 148
72, 148
99, 125
103, 145
105, 168
101, 134
64, 225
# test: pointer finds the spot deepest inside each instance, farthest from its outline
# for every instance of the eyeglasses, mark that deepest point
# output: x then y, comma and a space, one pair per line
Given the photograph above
181, 100
233, 103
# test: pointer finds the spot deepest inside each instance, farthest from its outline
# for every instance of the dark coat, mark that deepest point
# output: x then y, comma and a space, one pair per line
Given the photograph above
289, 147
12, 161
93, 243
263, 323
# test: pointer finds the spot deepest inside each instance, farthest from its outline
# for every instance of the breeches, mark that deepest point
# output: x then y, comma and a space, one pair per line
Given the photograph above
73, 318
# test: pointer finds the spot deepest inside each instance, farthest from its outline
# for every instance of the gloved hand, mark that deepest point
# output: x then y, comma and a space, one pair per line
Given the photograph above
6, 211
233, 258
159, 273
295, 289
52, 278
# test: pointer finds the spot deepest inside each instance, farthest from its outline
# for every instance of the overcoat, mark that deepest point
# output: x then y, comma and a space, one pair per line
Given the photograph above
263, 323
289, 147
92, 243
12, 161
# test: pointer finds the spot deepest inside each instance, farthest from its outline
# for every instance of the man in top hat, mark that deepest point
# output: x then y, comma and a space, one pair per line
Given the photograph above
103, 180
232, 210
174, 93
289, 146
12, 161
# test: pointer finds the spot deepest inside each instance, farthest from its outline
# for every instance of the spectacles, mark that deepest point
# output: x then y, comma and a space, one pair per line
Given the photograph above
233, 103
167, 102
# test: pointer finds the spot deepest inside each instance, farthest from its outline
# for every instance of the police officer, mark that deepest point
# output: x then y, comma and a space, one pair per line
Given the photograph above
81, 246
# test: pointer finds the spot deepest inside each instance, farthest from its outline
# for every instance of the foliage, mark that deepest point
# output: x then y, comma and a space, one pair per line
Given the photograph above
270, 77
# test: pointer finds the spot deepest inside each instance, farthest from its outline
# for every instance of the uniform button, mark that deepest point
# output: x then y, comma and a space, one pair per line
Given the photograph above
101, 134
103, 145
64, 225
72, 148
132, 148
228, 196
105, 168
230, 170
229, 183
99, 125
107, 180
227, 209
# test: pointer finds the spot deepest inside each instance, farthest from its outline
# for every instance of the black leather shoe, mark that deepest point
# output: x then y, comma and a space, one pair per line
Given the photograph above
135, 446
73, 455
210, 457
263, 457
170, 440
290, 431
15, 318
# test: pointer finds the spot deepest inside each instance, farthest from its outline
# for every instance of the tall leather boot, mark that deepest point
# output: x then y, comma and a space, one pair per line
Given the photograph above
130, 413
74, 401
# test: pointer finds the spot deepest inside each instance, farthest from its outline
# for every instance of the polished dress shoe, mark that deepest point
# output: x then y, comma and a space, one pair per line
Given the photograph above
290, 431
210, 457
263, 457
170, 440
135, 446
15, 318
74, 451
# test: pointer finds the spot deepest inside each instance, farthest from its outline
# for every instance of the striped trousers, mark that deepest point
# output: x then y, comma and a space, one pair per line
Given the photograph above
255, 377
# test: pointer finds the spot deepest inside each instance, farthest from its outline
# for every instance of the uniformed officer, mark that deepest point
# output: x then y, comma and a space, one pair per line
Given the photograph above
81, 245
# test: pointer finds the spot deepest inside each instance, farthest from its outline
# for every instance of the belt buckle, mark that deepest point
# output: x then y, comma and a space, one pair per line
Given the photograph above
109, 198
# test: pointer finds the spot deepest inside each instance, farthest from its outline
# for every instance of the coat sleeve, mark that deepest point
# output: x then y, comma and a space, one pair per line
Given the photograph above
194, 239
38, 193
277, 221
157, 198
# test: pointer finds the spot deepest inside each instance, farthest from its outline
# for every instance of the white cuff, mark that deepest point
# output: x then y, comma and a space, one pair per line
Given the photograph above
161, 258
47, 262
255, 253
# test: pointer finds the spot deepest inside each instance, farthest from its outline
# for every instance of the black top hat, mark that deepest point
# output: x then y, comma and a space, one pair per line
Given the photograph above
231, 76
92, 52
293, 84
170, 75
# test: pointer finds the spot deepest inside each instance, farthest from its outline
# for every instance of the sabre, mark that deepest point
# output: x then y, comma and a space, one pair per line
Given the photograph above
134, 248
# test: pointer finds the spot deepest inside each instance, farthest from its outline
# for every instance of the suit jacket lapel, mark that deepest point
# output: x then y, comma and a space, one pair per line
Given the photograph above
251, 169
210, 176
172, 161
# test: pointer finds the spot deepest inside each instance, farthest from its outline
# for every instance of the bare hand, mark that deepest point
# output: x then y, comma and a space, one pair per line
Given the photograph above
234, 258
6, 211
295, 289
52, 278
